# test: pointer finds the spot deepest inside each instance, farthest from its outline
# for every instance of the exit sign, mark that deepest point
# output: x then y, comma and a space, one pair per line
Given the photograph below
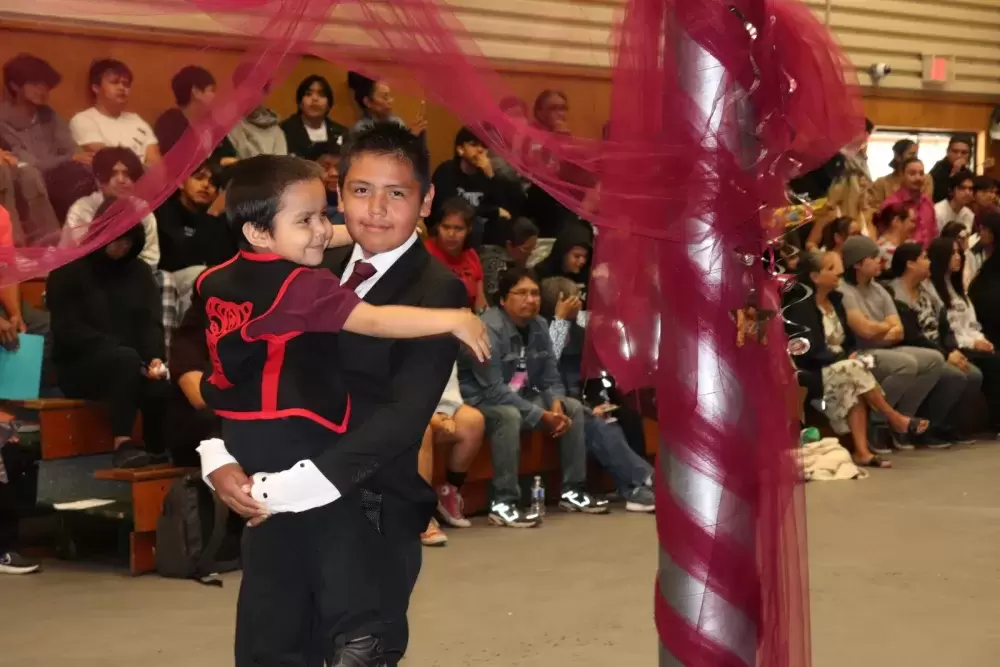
938, 69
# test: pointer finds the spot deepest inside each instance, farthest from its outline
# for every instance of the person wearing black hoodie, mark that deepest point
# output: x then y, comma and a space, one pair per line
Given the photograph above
470, 175
107, 328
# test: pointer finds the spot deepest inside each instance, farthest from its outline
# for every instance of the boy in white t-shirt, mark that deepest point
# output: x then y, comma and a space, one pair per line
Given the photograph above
956, 206
107, 123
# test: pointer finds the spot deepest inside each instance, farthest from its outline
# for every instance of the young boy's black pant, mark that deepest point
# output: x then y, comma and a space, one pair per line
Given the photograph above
307, 578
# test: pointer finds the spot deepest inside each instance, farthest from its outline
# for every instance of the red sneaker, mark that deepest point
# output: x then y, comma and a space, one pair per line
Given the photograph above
450, 506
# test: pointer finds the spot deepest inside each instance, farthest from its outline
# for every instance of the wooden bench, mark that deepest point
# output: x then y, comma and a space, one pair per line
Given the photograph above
539, 456
69, 426
149, 487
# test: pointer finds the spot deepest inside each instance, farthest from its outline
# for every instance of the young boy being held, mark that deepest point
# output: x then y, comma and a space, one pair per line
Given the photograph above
276, 384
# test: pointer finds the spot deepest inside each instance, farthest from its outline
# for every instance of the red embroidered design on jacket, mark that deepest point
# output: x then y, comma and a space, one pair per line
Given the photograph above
223, 317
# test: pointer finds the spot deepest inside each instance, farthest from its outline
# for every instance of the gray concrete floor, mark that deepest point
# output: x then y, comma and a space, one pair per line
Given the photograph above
905, 570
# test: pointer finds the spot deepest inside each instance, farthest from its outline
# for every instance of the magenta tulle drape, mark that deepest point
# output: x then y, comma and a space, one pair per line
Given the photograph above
715, 106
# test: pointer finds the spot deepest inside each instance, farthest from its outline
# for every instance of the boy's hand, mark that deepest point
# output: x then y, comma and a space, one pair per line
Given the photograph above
472, 332
233, 487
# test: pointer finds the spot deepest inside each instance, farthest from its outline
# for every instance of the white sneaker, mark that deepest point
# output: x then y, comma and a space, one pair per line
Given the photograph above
14, 563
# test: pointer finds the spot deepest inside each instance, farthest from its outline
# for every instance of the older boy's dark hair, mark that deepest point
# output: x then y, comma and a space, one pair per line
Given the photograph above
256, 186
101, 67
511, 277
980, 183
956, 180
466, 136
520, 231
186, 80
28, 68
103, 164
393, 140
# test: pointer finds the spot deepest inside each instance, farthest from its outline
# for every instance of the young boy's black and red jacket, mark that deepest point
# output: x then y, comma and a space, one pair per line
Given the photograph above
274, 377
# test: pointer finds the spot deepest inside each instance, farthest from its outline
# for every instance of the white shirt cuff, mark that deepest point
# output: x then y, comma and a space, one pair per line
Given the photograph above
214, 455
302, 487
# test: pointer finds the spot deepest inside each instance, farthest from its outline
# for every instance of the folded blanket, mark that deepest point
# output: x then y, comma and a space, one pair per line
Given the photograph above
826, 460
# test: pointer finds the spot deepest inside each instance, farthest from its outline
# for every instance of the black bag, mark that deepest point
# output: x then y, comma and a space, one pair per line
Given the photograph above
197, 536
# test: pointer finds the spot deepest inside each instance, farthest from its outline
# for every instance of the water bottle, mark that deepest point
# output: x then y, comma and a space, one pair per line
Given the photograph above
538, 497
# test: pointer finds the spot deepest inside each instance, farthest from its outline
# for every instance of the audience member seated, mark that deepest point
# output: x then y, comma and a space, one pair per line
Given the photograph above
946, 258
908, 375
925, 325
330, 163
50, 170
956, 206
895, 224
902, 150
107, 123
449, 242
520, 389
984, 194
469, 174
515, 252
14, 464
194, 90
462, 427
954, 161
849, 390
984, 287
310, 132
108, 339
986, 230
193, 233
191, 421
258, 133
562, 307
912, 197
837, 232
116, 170
375, 100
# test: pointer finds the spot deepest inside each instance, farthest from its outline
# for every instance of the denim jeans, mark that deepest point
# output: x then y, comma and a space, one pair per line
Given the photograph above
607, 443
503, 428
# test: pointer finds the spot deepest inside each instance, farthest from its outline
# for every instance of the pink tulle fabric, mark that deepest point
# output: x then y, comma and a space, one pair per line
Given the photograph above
681, 193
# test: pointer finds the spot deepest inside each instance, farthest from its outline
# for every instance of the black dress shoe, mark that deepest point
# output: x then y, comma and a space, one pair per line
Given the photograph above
365, 652
130, 455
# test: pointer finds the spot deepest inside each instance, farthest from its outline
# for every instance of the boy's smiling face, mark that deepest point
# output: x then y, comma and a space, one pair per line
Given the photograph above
381, 202
301, 230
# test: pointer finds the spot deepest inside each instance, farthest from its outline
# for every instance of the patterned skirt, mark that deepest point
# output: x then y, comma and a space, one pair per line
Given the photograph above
843, 384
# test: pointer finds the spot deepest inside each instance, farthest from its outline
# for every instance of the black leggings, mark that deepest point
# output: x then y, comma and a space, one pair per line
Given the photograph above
114, 377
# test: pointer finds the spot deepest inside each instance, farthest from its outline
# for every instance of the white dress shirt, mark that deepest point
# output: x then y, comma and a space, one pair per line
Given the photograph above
302, 487
945, 214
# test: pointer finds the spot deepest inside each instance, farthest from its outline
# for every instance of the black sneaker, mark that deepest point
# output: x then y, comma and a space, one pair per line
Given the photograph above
130, 455
930, 441
504, 514
581, 501
14, 563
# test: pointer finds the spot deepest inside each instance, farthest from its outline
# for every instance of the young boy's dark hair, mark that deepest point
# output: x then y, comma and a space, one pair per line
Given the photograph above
391, 139
186, 80
105, 65
256, 186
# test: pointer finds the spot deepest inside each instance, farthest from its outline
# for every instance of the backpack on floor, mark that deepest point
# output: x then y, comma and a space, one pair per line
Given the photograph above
197, 536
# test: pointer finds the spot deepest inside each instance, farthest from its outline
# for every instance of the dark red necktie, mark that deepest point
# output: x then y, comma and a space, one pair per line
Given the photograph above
362, 272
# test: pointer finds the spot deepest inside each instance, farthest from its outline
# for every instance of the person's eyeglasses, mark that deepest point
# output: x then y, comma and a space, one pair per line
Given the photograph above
527, 294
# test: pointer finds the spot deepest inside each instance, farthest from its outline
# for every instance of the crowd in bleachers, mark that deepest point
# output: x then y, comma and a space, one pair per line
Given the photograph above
897, 299
123, 331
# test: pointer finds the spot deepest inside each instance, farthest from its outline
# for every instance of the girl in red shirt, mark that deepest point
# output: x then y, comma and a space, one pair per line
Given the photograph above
450, 244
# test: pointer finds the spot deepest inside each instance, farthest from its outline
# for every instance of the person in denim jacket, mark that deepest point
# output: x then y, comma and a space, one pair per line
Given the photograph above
521, 389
